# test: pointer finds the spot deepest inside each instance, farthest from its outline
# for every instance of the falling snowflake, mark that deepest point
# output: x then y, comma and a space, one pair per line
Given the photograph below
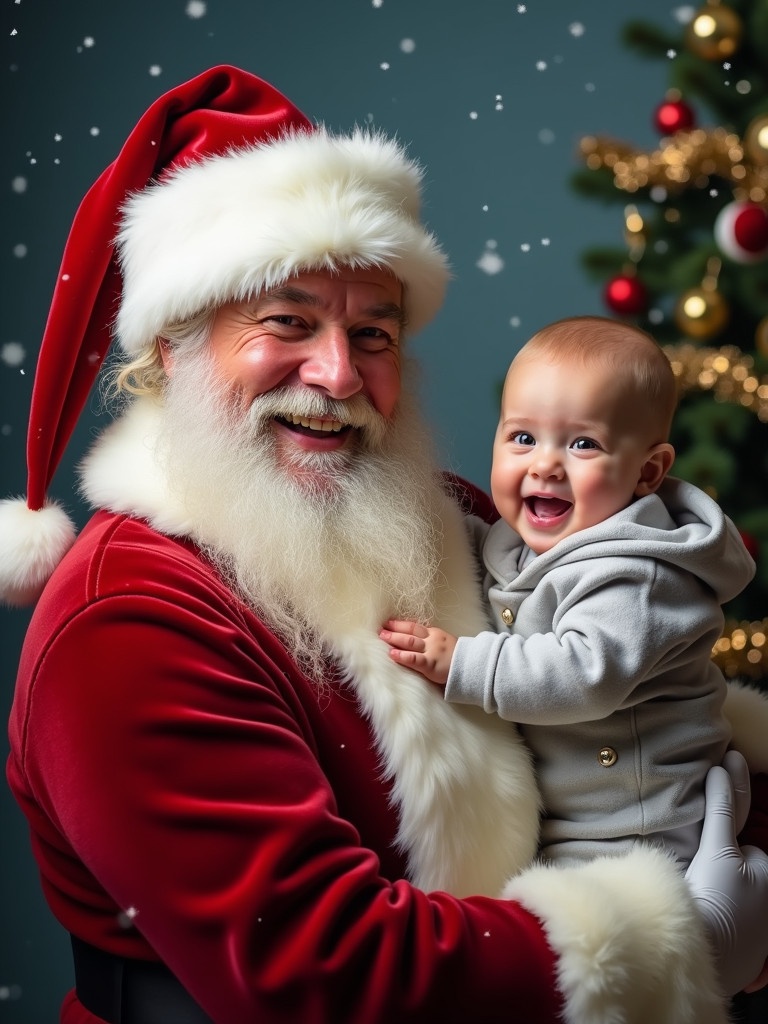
126, 917
94, 131
671, 54
407, 45
20, 251
714, 193
576, 29
473, 115
683, 14
384, 65
376, 3
726, 65
545, 241
525, 247
490, 262
155, 70
14, 32
195, 9
743, 87
498, 105
19, 184
541, 65
590, 86
546, 136
514, 321
658, 193
12, 353
521, 8
655, 316
88, 42
485, 207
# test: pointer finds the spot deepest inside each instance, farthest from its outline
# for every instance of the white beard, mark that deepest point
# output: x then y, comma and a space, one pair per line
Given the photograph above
325, 549
311, 544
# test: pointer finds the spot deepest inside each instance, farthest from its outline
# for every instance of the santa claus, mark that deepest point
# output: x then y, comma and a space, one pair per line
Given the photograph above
241, 807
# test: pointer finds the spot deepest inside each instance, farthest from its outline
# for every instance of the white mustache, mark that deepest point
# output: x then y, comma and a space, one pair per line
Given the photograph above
357, 411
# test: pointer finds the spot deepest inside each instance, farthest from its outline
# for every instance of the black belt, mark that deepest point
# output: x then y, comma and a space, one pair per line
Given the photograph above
125, 991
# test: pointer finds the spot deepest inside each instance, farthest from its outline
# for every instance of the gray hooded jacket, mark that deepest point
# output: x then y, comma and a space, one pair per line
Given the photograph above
603, 656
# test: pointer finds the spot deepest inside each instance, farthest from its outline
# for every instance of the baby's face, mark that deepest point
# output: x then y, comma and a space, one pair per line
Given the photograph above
569, 450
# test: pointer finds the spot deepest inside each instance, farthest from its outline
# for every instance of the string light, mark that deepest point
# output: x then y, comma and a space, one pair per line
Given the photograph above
742, 650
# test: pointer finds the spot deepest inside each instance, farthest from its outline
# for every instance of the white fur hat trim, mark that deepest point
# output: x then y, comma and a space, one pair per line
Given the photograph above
221, 229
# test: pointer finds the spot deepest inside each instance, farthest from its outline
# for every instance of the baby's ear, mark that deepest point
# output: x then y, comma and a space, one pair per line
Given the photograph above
658, 463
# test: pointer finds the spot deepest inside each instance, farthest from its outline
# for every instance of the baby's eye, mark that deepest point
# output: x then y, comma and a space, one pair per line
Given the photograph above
523, 437
584, 444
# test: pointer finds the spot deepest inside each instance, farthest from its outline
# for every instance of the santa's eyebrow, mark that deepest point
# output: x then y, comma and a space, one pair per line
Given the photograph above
387, 311
290, 293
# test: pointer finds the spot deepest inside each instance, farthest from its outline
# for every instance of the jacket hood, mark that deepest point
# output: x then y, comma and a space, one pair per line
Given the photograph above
679, 525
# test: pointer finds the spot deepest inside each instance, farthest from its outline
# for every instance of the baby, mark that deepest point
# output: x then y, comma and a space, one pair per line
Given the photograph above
604, 579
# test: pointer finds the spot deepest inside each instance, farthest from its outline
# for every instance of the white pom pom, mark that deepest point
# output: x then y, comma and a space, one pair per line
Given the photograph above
31, 546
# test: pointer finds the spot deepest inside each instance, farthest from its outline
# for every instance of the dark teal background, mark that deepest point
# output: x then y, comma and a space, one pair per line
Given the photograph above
498, 177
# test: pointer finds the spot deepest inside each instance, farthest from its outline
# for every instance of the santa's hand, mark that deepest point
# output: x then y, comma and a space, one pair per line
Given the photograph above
729, 884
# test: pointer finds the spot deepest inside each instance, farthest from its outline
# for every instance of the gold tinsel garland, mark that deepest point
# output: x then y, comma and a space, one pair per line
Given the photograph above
684, 159
725, 371
729, 374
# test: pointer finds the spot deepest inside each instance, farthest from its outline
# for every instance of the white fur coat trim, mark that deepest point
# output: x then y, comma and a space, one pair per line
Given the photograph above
462, 780
630, 945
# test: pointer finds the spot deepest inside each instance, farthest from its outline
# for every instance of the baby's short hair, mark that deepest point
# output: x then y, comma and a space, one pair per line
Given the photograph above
629, 351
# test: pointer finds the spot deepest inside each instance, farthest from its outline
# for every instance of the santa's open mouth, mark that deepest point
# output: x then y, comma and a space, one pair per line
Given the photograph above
546, 510
312, 426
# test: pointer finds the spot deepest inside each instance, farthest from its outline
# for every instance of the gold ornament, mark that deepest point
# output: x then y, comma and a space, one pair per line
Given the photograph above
761, 337
701, 312
756, 140
714, 32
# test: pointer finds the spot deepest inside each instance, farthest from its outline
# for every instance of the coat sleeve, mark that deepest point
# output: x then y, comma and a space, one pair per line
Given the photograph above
167, 748
607, 630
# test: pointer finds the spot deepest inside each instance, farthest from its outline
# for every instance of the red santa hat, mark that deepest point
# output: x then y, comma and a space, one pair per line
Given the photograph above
222, 188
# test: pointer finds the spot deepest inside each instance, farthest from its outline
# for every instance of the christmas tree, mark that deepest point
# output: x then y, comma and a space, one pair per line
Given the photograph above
693, 270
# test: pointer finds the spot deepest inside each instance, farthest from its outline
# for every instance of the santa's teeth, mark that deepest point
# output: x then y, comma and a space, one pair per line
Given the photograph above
333, 426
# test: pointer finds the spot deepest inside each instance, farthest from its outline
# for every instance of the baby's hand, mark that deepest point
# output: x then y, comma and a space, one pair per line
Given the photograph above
425, 649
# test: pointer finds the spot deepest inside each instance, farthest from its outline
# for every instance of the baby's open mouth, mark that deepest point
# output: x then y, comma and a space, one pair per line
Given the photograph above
545, 507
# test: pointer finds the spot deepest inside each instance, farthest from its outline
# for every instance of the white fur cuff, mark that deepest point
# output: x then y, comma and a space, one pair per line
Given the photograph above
630, 945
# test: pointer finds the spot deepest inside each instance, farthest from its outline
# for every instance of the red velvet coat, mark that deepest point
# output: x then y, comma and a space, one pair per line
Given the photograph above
193, 797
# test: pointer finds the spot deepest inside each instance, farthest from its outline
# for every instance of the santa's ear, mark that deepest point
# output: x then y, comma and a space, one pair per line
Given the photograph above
166, 352
658, 463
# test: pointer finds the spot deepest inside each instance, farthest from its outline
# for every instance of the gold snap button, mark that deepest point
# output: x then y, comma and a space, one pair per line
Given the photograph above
607, 757
507, 616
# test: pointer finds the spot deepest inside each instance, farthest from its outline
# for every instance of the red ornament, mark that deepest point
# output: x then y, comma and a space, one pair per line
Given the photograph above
750, 544
673, 116
625, 295
741, 231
